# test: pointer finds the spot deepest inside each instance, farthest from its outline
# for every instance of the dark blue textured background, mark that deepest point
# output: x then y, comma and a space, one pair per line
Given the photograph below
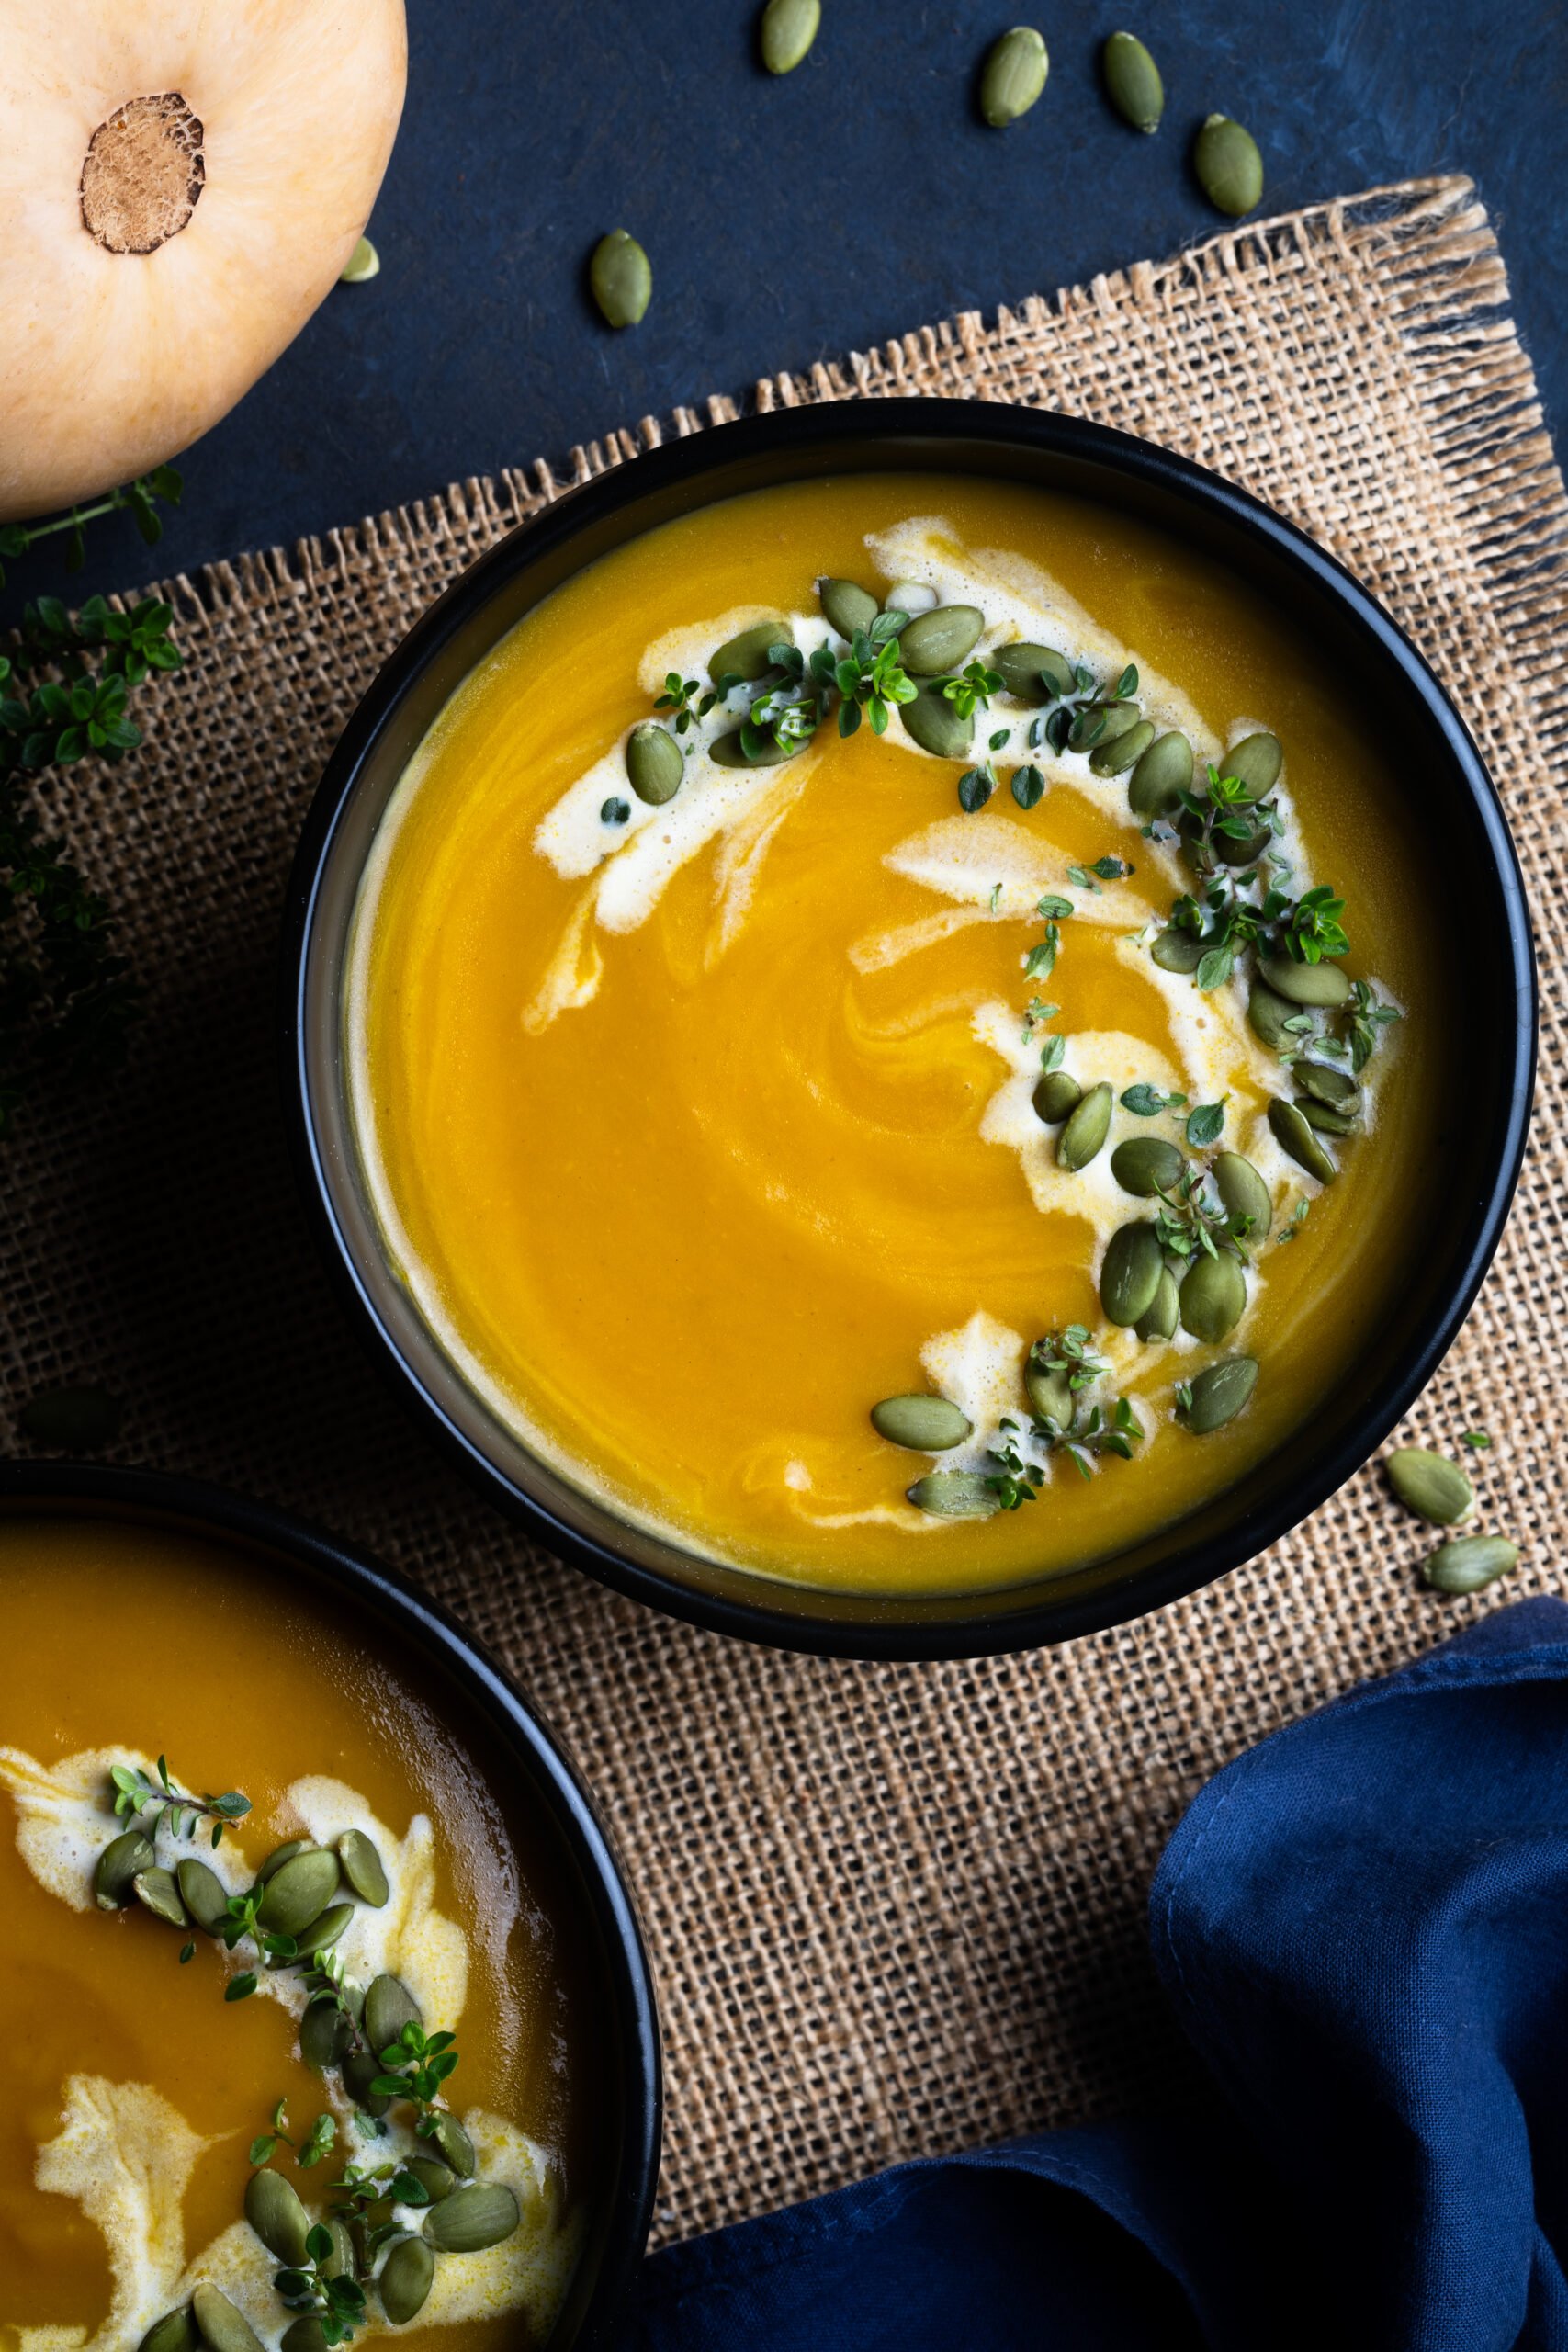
795, 219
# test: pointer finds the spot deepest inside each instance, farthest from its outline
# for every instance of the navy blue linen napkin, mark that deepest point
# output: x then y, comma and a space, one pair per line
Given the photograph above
1363, 1925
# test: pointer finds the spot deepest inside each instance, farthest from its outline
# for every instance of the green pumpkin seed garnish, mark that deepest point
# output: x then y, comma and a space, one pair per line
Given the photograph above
388, 2006
360, 2069
1228, 166
1306, 984
1160, 1318
362, 1868
410, 2268
1254, 761
74, 1417
1013, 75
1177, 951
280, 2220
1212, 1297
452, 2143
363, 264
221, 2327
1244, 1193
1217, 1395
1098, 723
924, 1424
119, 1866
745, 655
323, 2034
1085, 1130
846, 605
1031, 673
282, 1854
305, 2333
176, 2332
1327, 1122
203, 1893
940, 640
1163, 773
1049, 1393
472, 2219
1147, 1165
1123, 750
1469, 1563
1244, 852
787, 31
730, 752
1334, 1087
621, 278
298, 1892
1268, 1014
437, 2180
932, 722
1295, 1137
955, 1494
655, 763
158, 1891
1131, 82
1056, 1094
323, 1933
1429, 1485
1129, 1276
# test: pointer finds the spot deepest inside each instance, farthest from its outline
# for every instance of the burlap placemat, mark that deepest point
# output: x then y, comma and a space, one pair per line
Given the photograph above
892, 1909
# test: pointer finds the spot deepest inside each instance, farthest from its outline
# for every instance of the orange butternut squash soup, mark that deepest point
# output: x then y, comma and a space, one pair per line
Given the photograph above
180, 2138
874, 1031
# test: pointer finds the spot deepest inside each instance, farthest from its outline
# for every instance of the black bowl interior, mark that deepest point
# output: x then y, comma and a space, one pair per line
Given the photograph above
1476, 895
513, 1746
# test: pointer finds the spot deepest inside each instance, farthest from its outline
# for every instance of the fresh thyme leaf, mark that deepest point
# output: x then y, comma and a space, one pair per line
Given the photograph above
1298, 1218
240, 1988
1082, 878
976, 786
613, 811
262, 2148
1205, 1124
1053, 907
973, 690
1051, 1053
1127, 683
1112, 869
1477, 1439
1040, 960
1028, 787
999, 738
137, 1796
1147, 1102
318, 2140
1215, 968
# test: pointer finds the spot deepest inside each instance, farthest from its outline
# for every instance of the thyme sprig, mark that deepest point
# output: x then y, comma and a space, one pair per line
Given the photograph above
869, 677
139, 1797
317, 2142
140, 496
973, 690
337, 2303
685, 701
1191, 1220
1225, 919
414, 2068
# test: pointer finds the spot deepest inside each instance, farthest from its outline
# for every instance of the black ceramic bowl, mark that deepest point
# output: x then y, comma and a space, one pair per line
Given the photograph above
1452, 804
514, 1745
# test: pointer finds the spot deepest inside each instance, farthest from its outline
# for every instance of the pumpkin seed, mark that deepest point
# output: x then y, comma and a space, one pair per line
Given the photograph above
472, 2219
1213, 1297
1315, 984
1164, 771
1158, 1320
745, 655
909, 597
158, 1891
1268, 1012
931, 721
938, 641
846, 605
1130, 1272
362, 1866
1147, 1165
435, 2179
621, 278
1086, 1129
925, 1424
203, 1893
176, 2332
1033, 673
388, 2006
1054, 1095
75, 1418
360, 2069
323, 1933
1123, 750
1218, 1394
1050, 1394
789, 28
1469, 1563
1012, 76
280, 2220
1254, 761
1177, 951
298, 1893
305, 2333
1334, 1087
1244, 1192
407, 2273
221, 2327
452, 2143
954, 1493
1429, 1483
120, 1864
276, 1860
1294, 1136
1327, 1122
1100, 723
730, 752
363, 264
1228, 165
655, 763
1132, 83
323, 2036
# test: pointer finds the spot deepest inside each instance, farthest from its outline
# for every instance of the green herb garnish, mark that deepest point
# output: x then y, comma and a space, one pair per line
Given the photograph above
1205, 1124
972, 692
414, 2067
1146, 1102
976, 786
1028, 787
337, 2303
1477, 1439
137, 1795
685, 699
309, 2151
139, 497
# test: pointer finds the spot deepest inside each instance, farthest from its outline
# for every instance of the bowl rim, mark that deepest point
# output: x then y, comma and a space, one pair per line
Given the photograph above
891, 1630
414, 1617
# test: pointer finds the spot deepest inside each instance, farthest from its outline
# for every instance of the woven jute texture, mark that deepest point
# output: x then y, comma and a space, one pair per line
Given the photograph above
892, 1909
